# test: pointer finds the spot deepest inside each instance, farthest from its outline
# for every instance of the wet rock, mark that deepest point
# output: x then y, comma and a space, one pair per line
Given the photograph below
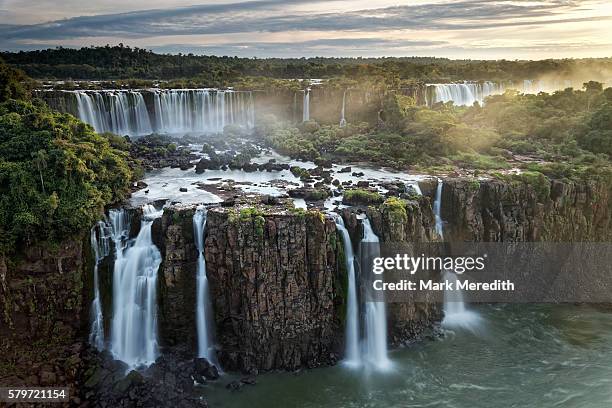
357, 174
205, 369
345, 170
363, 184
234, 385
183, 189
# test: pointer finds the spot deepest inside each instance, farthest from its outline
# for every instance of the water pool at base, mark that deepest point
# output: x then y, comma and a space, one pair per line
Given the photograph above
520, 356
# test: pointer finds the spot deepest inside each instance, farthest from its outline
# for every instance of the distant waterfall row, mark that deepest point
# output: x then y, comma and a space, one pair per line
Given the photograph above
466, 93
142, 112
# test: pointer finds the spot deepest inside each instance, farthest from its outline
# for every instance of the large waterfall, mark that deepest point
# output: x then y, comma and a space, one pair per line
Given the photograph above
306, 106
455, 312
352, 356
134, 324
142, 112
466, 93
375, 347
100, 244
463, 94
203, 304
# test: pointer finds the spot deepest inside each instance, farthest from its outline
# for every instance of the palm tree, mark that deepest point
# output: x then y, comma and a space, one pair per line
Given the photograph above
40, 159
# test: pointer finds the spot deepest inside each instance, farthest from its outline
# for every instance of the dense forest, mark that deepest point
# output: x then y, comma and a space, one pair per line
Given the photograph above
122, 62
567, 134
56, 173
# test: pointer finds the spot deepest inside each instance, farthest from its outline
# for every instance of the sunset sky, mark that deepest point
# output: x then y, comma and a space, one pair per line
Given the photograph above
476, 29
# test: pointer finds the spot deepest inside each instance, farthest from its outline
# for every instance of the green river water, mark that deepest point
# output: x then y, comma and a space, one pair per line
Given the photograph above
518, 356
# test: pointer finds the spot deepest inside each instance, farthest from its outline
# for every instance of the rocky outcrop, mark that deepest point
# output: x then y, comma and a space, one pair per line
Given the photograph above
494, 210
174, 238
275, 287
42, 292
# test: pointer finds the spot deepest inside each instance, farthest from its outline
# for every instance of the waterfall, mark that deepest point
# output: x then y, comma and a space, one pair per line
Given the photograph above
99, 238
375, 345
352, 356
204, 314
463, 94
455, 312
306, 106
437, 207
169, 111
134, 324
342, 117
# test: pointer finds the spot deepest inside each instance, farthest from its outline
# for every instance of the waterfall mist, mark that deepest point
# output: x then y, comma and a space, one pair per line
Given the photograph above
456, 314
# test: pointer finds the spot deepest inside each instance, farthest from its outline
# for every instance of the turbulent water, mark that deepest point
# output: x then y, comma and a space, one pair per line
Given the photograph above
528, 356
375, 341
134, 324
142, 112
203, 303
352, 356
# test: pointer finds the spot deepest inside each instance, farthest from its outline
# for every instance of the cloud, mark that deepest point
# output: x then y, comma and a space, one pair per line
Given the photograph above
267, 16
325, 47
224, 23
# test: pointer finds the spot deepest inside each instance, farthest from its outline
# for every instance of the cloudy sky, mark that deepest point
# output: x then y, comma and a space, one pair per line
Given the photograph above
292, 28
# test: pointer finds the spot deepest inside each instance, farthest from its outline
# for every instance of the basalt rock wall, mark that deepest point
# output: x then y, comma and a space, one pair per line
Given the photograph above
556, 211
274, 281
42, 319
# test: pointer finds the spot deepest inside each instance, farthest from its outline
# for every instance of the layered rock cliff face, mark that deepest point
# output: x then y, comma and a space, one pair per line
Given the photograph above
493, 210
275, 284
173, 235
41, 314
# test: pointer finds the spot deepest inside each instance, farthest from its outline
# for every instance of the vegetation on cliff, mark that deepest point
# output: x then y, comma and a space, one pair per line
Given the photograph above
56, 174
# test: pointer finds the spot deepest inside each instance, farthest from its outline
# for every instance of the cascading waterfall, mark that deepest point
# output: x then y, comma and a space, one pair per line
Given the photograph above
463, 94
134, 324
203, 305
375, 343
342, 112
306, 106
99, 238
169, 111
455, 312
352, 355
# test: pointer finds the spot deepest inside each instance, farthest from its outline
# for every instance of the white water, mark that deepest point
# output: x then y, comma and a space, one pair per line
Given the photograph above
134, 324
375, 342
306, 106
204, 314
456, 315
351, 349
463, 94
100, 243
466, 93
169, 111
437, 207
342, 112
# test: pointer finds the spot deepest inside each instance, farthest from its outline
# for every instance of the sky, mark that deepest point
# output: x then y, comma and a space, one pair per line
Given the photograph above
463, 29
